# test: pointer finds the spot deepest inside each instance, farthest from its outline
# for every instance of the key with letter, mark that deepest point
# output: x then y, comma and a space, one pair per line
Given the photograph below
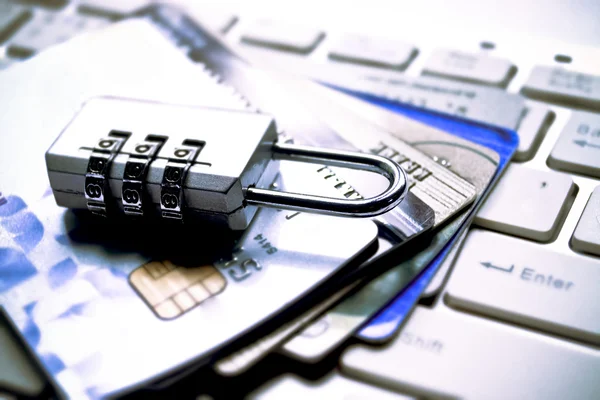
525, 283
439, 353
578, 147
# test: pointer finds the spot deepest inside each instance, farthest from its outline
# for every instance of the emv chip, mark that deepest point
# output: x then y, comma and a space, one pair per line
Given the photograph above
171, 290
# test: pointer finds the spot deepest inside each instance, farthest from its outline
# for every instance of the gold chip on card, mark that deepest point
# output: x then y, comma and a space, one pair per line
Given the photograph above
171, 290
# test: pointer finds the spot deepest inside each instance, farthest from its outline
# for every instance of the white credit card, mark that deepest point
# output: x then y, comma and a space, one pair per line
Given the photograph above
104, 311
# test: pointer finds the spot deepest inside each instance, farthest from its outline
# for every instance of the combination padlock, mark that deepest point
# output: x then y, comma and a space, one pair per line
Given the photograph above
181, 163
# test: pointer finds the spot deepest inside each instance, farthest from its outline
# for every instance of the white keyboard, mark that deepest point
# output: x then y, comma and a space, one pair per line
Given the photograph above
517, 315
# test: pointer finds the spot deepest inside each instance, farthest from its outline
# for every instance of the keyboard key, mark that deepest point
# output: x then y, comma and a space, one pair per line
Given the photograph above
533, 127
527, 203
375, 52
111, 8
554, 84
12, 17
288, 38
528, 284
587, 233
469, 67
333, 386
46, 29
448, 354
578, 147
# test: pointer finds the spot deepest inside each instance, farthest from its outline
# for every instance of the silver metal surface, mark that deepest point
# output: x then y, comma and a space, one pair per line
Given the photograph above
369, 207
134, 176
96, 189
172, 201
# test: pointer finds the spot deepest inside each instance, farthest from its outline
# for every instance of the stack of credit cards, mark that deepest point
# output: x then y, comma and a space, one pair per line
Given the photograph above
109, 308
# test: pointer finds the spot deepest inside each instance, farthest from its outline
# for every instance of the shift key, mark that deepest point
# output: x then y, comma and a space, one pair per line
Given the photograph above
527, 284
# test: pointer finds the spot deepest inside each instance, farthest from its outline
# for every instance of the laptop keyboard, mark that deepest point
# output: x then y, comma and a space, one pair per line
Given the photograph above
525, 282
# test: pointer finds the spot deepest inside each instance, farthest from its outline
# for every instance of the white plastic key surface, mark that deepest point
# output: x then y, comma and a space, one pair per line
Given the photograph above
269, 34
534, 125
555, 84
470, 67
527, 284
441, 354
587, 234
578, 147
526, 203
377, 52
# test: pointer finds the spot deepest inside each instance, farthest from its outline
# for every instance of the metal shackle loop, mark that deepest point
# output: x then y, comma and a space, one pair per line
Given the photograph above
369, 207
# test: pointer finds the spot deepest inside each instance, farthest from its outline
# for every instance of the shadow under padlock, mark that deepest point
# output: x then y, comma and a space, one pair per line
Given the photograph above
191, 164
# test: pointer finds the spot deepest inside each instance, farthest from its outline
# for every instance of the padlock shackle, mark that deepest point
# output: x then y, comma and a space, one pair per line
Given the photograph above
369, 207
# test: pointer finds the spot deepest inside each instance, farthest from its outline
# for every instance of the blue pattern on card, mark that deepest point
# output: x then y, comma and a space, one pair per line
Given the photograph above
14, 268
74, 310
11, 205
62, 272
31, 333
29, 308
52, 363
27, 229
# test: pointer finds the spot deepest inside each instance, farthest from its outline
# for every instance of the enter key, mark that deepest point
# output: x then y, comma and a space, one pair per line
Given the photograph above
527, 284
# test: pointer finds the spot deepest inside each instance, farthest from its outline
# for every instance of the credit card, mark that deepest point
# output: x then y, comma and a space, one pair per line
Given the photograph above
384, 325
476, 163
139, 314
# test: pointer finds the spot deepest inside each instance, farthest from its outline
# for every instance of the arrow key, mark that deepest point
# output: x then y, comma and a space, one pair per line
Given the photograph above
578, 147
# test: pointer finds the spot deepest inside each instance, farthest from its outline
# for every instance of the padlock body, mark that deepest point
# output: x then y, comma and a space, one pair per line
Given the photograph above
203, 159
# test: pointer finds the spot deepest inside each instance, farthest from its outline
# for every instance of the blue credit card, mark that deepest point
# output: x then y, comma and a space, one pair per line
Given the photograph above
504, 142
